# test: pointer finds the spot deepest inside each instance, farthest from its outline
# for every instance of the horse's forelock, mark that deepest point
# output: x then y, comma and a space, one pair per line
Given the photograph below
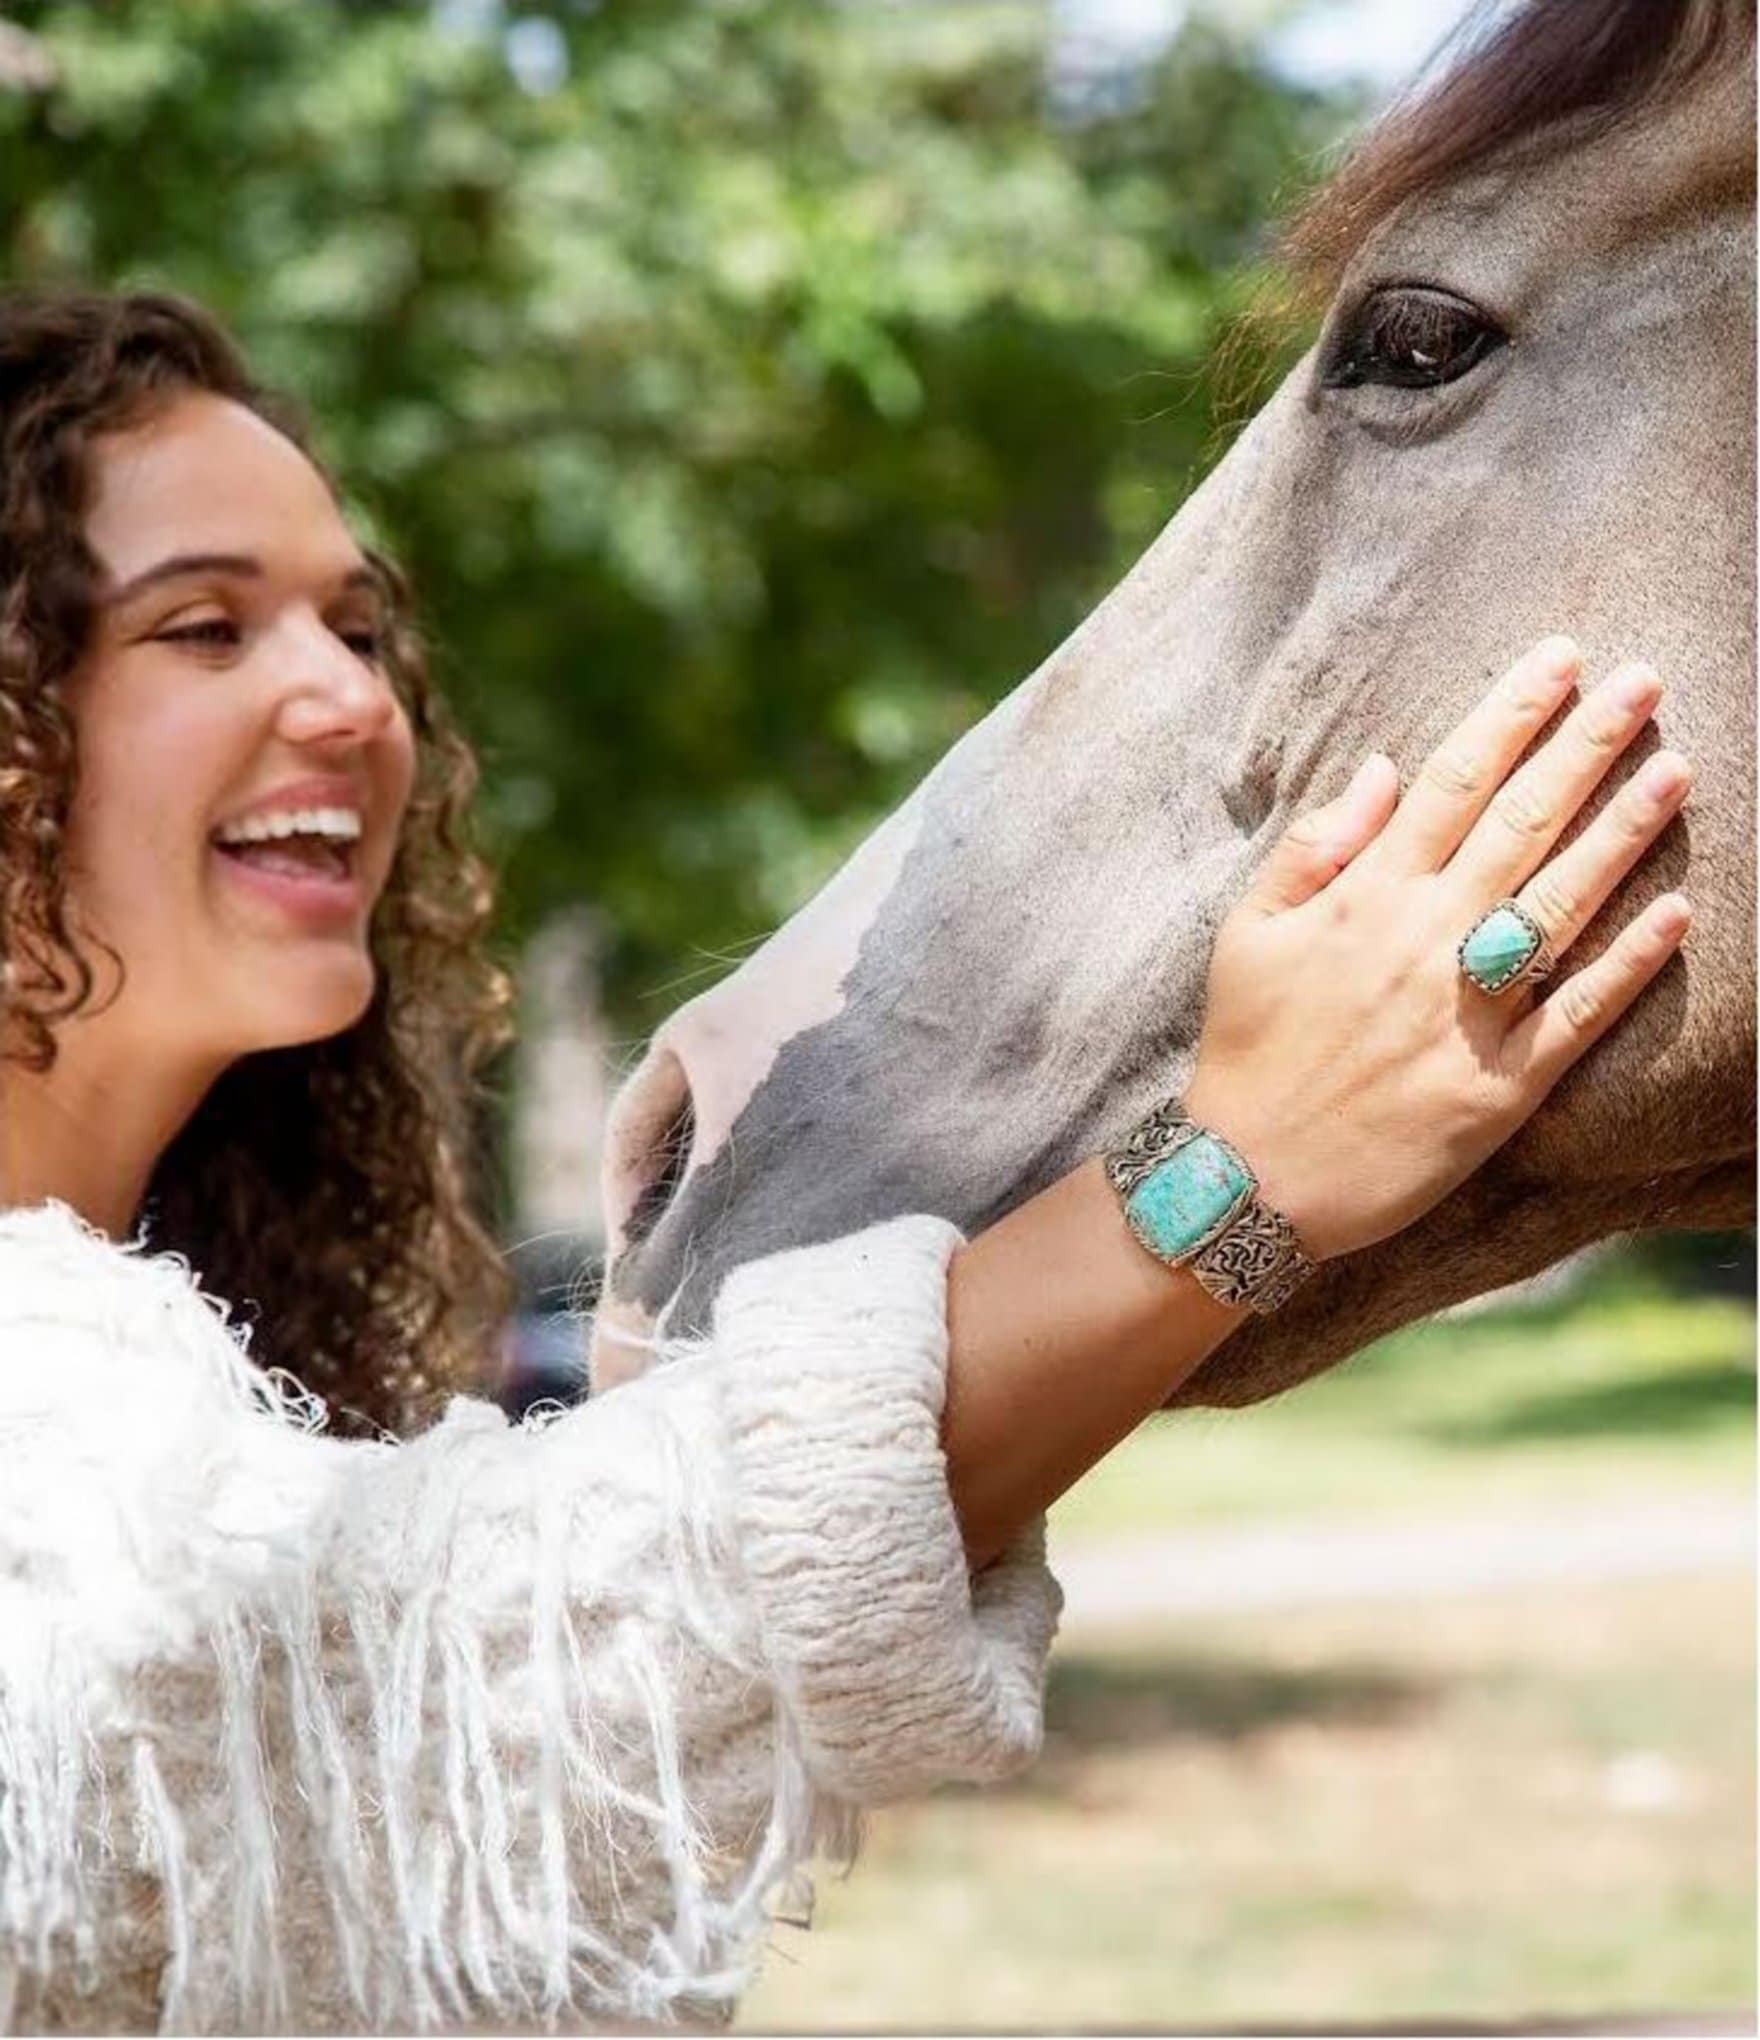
1550, 72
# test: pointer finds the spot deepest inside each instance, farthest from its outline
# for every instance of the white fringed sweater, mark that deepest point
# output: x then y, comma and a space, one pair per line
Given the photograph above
522, 1726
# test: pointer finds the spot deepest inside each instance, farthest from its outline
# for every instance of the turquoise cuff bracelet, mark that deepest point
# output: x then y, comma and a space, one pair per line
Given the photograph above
1191, 1200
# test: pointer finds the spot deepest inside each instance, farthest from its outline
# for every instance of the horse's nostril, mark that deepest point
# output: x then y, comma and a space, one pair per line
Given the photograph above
649, 1149
670, 1159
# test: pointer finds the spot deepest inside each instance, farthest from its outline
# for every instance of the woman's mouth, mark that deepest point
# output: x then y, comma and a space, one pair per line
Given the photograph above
311, 877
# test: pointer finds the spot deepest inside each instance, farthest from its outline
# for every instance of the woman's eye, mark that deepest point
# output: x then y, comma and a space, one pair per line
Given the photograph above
364, 641
212, 630
1412, 339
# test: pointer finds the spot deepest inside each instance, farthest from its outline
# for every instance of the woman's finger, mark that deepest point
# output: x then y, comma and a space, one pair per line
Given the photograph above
1539, 1049
1533, 808
1317, 845
1461, 774
1565, 895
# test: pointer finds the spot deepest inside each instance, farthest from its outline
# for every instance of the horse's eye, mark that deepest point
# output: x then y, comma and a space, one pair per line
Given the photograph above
1411, 338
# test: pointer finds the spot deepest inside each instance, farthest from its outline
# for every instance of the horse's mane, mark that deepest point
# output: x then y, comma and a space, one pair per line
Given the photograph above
1548, 72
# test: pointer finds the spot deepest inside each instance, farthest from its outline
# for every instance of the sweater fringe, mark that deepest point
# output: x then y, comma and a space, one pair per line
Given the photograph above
376, 1717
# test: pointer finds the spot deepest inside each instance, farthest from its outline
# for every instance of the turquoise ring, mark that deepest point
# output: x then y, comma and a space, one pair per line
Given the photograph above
1505, 946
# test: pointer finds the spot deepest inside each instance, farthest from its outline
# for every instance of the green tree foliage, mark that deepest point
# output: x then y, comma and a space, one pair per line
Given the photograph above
756, 389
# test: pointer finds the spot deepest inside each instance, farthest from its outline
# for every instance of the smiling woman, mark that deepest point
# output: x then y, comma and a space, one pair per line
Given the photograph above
304, 742
246, 988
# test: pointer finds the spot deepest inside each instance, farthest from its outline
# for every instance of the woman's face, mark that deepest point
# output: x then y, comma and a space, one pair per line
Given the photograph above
233, 685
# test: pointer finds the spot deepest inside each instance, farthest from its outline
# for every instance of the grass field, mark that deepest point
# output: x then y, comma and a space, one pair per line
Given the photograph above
1535, 1803
1489, 1809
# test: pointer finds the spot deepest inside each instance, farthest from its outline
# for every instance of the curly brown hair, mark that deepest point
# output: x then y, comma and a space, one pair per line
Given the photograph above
326, 1184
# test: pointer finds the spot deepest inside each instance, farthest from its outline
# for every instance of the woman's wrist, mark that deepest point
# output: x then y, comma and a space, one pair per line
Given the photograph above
1255, 1135
1063, 1334
1193, 1200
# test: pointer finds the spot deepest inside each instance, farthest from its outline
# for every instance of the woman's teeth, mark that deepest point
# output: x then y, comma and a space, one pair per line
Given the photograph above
297, 843
339, 824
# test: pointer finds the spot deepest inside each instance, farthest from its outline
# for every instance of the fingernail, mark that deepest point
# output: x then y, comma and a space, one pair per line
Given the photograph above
1674, 911
1635, 687
1558, 656
1664, 776
1360, 777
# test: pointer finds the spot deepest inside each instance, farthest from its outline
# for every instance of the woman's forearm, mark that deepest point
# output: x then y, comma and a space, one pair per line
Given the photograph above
1063, 1335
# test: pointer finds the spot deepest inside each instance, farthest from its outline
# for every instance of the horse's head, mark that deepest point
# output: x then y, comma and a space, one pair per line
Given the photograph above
1529, 409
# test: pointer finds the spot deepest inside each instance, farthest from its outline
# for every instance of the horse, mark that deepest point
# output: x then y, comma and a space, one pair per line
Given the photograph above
1528, 408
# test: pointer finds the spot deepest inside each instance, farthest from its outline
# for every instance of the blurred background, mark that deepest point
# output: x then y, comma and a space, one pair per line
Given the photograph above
756, 390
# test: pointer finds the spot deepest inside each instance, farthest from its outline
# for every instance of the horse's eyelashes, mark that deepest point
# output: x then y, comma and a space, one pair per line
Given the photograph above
1411, 337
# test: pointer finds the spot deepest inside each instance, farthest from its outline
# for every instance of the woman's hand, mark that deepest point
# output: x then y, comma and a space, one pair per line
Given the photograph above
1343, 1051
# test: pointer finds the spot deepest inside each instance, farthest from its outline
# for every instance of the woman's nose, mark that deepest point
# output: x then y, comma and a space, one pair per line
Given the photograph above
336, 693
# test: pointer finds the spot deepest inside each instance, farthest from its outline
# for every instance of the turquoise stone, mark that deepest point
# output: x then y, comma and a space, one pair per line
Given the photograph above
1183, 1198
1497, 948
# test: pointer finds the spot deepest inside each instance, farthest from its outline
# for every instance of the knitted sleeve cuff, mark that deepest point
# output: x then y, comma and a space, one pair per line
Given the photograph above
896, 1667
